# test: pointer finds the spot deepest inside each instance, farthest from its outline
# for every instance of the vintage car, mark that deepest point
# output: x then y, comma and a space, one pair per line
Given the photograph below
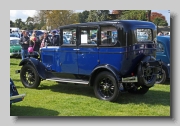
15, 47
110, 67
163, 53
14, 95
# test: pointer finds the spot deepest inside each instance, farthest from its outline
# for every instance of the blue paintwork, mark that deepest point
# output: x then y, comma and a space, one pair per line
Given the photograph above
82, 60
164, 56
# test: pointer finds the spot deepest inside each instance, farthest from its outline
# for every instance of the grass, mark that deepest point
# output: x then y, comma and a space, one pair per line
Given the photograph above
52, 99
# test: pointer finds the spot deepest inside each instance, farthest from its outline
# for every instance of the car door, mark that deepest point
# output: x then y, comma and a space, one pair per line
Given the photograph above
87, 50
68, 56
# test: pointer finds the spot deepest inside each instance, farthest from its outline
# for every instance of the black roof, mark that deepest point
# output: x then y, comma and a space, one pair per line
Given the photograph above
127, 24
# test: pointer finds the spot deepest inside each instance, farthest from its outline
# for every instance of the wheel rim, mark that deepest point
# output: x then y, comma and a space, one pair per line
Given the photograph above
148, 74
106, 88
159, 78
29, 77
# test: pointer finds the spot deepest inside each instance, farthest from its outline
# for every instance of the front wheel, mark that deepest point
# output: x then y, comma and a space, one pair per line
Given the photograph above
29, 76
106, 87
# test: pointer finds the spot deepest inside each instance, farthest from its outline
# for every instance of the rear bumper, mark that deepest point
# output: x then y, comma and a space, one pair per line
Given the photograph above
15, 97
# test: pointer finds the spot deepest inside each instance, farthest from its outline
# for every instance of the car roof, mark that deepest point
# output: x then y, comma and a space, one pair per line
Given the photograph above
128, 24
14, 38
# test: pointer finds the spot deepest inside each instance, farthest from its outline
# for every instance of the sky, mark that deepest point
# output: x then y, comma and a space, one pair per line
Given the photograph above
23, 14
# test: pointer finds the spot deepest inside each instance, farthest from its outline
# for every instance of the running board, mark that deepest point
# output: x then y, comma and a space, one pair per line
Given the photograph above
68, 80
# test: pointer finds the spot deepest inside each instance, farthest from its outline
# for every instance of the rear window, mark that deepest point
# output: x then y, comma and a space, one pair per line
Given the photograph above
143, 35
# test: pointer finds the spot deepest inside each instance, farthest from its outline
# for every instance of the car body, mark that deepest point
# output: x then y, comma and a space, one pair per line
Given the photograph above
117, 65
14, 35
14, 94
163, 53
15, 47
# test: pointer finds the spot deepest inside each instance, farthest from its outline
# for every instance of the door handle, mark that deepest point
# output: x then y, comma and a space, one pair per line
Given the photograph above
75, 49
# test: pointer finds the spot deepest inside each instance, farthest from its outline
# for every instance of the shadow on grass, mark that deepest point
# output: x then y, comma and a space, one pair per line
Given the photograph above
30, 111
14, 64
153, 97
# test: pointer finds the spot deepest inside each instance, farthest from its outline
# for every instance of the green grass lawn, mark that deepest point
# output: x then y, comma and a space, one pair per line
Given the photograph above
53, 99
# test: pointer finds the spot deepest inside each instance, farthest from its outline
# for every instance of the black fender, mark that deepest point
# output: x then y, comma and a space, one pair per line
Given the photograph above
165, 68
38, 66
104, 67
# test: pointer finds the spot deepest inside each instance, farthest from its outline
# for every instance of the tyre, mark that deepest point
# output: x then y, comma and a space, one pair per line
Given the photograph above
106, 87
29, 76
161, 78
146, 75
139, 90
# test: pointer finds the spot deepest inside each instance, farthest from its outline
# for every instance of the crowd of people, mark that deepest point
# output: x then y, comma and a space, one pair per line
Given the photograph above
32, 44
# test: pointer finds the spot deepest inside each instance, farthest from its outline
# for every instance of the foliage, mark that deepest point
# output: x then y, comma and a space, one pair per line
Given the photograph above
51, 19
158, 19
83, 16
97, 15
134, 15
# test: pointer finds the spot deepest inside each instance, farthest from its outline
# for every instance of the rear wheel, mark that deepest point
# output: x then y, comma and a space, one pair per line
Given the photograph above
106, 87
29, 76
146, 75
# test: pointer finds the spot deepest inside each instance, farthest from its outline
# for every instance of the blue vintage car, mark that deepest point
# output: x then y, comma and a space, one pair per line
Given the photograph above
110, 66
14, 95
163, 53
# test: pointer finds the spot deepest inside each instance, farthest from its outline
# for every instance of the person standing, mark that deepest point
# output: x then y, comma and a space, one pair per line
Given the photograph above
54, 39
45, 40
34, 42
24, 42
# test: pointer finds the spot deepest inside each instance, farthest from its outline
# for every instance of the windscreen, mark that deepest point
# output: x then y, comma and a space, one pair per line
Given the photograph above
143, 35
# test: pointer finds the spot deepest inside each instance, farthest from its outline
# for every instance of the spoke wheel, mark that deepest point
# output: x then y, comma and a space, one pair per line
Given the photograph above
161, 78
29, 76
105, 87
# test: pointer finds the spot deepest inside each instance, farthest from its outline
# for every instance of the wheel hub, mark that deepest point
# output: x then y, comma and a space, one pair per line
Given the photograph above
30, 76
106, 87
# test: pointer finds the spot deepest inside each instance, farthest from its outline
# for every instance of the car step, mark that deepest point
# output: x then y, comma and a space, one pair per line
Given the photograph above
77, 81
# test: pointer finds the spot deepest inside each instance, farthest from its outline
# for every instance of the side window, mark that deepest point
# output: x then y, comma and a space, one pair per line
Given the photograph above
69, 36
88, 36
108, 36
159, 47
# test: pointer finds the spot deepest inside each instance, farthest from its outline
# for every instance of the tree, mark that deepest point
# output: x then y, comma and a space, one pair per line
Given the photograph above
134, 15
98, 15
158, 19
56, 18
83, 16
12, 24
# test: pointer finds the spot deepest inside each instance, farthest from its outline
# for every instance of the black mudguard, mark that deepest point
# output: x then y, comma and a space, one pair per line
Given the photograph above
39, 67
104, 67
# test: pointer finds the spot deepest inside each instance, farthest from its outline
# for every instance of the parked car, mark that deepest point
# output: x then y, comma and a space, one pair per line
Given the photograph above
14, 95
125, 64
163, 53
14, 35
15, 47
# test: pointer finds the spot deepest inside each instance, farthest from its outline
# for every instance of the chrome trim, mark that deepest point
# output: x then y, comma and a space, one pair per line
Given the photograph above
68, 80
17, 96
